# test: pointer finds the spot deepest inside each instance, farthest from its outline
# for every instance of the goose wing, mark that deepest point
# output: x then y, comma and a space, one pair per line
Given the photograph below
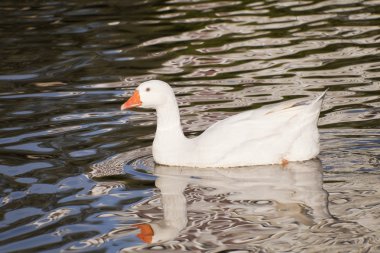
261, 128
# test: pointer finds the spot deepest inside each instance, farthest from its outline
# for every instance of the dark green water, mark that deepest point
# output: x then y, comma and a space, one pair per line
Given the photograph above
77, 175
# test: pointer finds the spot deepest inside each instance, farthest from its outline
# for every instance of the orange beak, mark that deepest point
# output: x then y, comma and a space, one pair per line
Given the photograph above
133, 101
146, 232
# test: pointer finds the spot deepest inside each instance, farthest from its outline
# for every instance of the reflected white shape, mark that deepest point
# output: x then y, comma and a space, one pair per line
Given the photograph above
288, 190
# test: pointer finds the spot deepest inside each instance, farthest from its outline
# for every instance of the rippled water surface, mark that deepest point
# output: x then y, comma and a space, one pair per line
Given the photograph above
77, 174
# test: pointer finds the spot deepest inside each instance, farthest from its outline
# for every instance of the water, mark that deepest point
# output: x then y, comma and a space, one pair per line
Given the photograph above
77, 174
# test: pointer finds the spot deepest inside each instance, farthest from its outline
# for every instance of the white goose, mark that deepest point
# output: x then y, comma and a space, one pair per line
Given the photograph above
273, 134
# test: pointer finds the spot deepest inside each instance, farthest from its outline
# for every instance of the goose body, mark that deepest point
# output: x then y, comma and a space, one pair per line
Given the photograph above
272, 134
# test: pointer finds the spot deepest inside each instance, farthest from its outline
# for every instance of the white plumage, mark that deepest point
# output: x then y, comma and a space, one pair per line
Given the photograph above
272, 134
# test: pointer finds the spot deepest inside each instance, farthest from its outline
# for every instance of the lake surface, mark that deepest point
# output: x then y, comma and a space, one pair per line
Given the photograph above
77, 174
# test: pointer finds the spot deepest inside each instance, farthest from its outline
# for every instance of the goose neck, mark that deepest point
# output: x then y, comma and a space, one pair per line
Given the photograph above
168, 118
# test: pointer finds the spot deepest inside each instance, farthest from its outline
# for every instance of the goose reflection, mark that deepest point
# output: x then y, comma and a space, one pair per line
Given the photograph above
276, 194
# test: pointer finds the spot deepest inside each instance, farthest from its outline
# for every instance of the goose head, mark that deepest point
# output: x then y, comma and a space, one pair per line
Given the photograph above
150, 94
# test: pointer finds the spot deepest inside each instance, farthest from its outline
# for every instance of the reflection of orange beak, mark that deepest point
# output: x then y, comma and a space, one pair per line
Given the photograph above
133, 101
146, 232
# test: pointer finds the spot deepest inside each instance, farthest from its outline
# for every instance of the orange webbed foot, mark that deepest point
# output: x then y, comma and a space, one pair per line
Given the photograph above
284, 163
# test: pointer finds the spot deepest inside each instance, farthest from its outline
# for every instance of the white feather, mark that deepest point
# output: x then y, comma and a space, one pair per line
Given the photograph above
268, 135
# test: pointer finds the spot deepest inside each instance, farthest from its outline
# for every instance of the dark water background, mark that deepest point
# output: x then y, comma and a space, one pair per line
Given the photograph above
77, 173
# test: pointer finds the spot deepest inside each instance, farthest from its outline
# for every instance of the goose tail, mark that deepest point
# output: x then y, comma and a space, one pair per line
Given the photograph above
320, 97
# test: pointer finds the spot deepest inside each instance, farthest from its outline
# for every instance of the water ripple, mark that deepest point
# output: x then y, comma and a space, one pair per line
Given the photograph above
78, 175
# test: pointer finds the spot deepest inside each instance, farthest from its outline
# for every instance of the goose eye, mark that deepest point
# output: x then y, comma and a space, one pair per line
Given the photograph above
147, 89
